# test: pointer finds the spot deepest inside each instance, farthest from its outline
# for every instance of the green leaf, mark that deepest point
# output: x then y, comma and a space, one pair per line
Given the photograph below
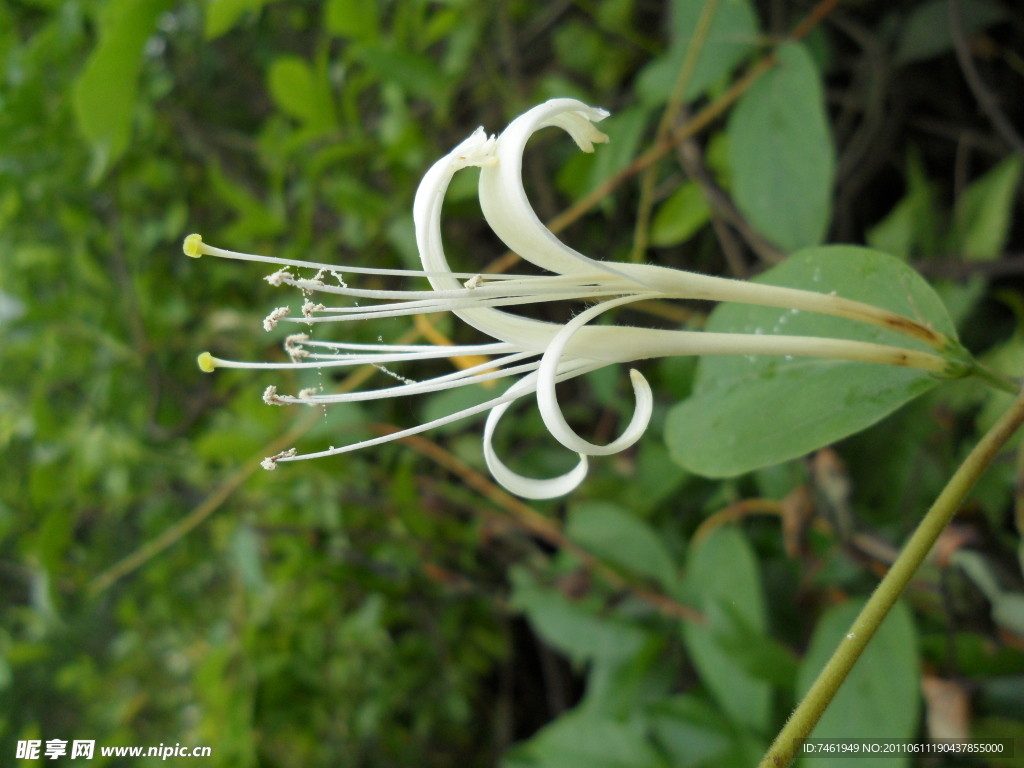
302, 93
105, 92
254, 218
245, 551
981, 221
680, 216
781, 153
747, 413
416, 74
572, 629
988, 729
222, 15
583, 740
690, 730
732, 36
880, 698
912, 225
612, 533
724, 582
354, 19
926, 32
657, 477
1007, 606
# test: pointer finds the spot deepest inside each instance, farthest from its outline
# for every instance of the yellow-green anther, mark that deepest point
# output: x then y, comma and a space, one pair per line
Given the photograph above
206, 362
193, 246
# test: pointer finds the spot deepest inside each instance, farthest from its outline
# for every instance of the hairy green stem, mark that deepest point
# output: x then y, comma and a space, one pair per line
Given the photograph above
817, 699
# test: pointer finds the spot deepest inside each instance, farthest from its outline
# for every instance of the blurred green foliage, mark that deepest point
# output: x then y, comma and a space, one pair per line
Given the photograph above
370, 609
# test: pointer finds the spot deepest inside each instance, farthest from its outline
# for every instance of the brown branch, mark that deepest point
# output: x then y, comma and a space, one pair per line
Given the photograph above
986, 99
813, 19
692, 161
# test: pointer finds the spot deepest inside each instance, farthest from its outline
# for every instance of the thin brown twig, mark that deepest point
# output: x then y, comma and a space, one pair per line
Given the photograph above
539, 525
986, 99
692, 161
735, 512
813, 19
731, 247
641, 233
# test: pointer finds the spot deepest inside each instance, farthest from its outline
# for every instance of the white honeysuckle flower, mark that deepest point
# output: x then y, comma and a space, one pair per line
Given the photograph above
542, 353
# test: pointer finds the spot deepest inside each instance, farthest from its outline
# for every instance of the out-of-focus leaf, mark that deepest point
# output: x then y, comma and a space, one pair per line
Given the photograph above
725, 428
690, 730
416, 74
579, 46
301, 92
583, 740
911, 226
245, 551
1007, 606
926, 31
612, 533
880, 698
1007, 358
222, 15
571, 628
988, 729
254, 218
981, 221
353, 19
723, 581
975, 654
104, 93
657, 477
781, 153
680, 216
733, 35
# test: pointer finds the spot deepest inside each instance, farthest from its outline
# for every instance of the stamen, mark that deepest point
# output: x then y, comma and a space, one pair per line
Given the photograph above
271, 461
308, 308
270, 321
465, 413
279, 277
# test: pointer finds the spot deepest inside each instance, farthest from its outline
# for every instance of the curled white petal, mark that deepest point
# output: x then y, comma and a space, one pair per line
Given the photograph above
527, 487
547, 399
426, 213
503, 199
